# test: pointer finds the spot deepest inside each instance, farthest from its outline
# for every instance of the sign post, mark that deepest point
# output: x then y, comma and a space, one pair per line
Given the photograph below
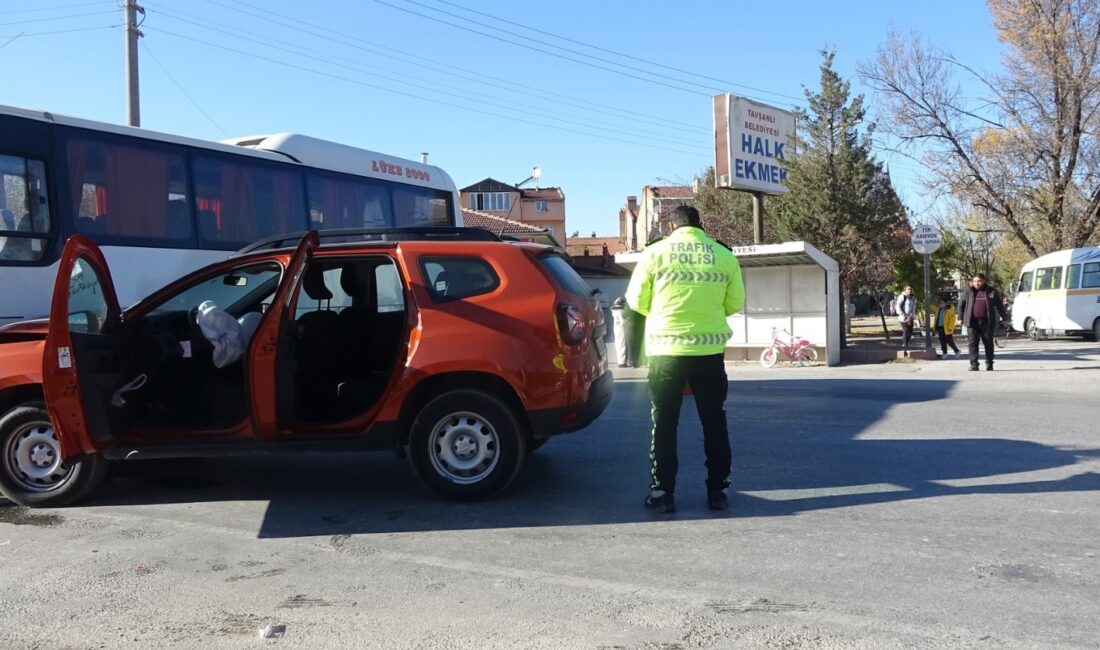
926, 240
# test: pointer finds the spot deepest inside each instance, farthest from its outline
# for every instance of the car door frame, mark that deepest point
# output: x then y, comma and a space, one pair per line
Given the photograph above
61, 369
266, 395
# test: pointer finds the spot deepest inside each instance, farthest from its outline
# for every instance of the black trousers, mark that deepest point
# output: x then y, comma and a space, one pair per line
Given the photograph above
906, 333
946, 339
981, 329
707, 377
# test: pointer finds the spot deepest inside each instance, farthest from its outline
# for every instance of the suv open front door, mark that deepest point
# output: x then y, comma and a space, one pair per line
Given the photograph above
82, 360
270, 368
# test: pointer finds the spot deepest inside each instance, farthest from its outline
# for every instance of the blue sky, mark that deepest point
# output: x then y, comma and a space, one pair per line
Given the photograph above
372, 74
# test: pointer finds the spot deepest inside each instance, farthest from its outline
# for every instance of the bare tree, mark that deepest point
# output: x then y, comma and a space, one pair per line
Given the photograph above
1027, 152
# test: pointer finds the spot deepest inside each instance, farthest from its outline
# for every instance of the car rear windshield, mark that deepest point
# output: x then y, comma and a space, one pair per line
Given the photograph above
565, 276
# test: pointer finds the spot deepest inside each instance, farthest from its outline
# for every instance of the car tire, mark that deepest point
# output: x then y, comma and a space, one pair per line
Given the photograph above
31, 473
1096, 330
466, 445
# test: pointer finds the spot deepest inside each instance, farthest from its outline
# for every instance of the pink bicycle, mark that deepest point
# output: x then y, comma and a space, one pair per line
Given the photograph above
796, 350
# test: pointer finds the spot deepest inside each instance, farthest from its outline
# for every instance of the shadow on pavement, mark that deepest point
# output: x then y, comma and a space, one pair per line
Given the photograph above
797, 447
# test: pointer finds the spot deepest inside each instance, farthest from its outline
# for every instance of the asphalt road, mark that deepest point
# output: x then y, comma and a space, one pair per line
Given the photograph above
902, 505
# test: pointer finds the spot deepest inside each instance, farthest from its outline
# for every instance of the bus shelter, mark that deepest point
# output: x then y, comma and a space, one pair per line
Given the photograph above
790, 286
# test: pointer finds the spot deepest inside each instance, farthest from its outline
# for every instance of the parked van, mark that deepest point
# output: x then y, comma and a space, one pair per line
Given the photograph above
1059, 294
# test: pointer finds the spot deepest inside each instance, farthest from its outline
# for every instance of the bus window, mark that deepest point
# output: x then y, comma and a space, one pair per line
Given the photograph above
1048, 278
418, 206
1090, 276
240, 203
1025, 283
123, 192
338, 203
24, 209
1073, 276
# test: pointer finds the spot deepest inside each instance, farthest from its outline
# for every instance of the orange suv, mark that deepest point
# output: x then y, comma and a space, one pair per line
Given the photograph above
465, 351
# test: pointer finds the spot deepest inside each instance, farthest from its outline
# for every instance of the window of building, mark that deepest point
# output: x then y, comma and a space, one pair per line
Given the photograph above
542, 206
492, 201
1090, 275
24, 209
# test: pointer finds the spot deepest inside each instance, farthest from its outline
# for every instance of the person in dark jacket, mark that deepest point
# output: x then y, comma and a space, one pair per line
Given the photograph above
982, 310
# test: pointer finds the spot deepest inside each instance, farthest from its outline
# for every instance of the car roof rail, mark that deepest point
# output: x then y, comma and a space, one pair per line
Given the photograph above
345, 235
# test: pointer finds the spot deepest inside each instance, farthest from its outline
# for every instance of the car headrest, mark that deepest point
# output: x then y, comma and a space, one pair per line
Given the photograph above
314, 284
352, 281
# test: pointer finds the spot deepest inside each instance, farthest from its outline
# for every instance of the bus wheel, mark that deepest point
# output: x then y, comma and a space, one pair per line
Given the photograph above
1031, 329
1096, 330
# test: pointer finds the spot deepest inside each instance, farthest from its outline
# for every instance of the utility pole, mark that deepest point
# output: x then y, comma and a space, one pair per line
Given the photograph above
133, 96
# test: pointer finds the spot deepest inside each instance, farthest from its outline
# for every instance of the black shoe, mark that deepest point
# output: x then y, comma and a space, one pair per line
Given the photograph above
660, 502
973, 368
989, 366
717, 500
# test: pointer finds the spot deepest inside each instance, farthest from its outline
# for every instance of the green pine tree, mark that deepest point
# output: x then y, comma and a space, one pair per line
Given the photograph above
839, 196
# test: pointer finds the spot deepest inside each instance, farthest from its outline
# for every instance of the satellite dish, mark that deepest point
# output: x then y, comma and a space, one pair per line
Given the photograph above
536, 173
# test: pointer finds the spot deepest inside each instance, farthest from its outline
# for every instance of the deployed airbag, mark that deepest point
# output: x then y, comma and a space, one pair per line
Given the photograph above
222, 331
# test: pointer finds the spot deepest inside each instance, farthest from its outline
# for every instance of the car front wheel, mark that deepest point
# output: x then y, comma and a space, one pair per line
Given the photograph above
466, 444
32, 472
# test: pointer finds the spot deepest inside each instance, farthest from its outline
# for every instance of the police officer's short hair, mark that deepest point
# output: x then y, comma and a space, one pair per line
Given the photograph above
685, 215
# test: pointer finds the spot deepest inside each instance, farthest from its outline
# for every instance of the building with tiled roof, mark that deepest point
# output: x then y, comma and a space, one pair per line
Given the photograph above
542, 207
502, 226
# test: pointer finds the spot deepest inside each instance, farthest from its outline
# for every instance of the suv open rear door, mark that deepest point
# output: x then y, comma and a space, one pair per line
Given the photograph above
81, 362
270, 366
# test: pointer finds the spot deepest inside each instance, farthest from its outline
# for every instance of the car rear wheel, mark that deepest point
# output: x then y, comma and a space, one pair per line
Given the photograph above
31, 470
466, 444
1032, 329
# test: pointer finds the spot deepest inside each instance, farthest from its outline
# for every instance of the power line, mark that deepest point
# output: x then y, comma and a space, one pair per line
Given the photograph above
63, 31
616, 53
566, 49
181, 88
420, 97
551, 53
49, 18
434, 87
54, 8
541, 93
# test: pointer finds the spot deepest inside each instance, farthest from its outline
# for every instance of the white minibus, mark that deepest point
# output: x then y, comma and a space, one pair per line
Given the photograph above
1059, 294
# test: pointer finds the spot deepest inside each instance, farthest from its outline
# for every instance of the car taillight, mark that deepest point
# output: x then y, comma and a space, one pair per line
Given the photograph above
571, 323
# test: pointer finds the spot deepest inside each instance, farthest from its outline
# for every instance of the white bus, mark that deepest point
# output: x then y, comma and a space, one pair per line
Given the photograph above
1059, 293
160, 206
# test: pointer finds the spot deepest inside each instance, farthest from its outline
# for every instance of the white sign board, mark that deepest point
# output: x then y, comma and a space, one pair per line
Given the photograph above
926, 240
751, 141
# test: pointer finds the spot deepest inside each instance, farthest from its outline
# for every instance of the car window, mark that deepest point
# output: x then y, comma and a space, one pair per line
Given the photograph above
565, 276
1090, 277
454, 278
391, 296
1025, 282
236, 292
87, 303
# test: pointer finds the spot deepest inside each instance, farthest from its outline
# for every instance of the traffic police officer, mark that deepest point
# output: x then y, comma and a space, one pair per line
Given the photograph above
686, 285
